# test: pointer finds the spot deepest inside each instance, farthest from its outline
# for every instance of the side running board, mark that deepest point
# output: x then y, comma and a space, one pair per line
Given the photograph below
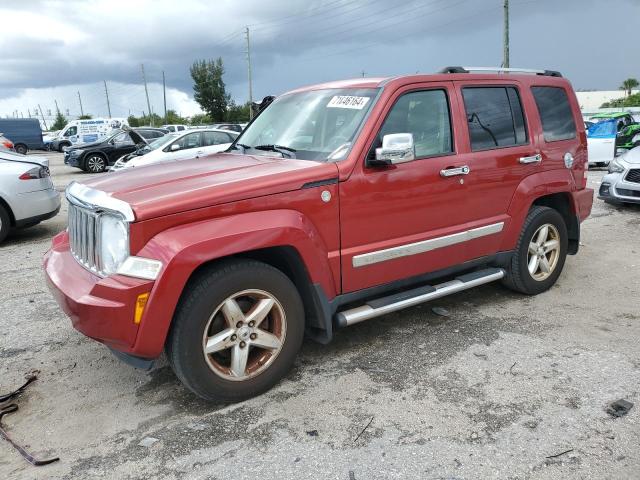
409, 298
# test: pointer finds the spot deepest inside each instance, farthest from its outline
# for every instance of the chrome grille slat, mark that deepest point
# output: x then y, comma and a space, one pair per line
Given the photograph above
84, 235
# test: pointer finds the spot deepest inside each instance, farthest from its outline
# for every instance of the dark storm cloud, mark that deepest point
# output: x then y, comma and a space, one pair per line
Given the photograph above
295, 43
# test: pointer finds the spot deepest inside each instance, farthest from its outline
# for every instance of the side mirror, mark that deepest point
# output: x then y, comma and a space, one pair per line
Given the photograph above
396, 148
174, 147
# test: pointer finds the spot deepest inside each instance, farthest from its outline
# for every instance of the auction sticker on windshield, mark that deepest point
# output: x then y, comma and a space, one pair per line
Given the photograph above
348, 101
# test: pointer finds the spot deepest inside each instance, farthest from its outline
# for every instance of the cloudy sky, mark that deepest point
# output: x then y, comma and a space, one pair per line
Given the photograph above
51, 50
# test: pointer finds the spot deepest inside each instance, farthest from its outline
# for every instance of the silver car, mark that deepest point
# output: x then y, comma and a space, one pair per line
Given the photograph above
622, 183
27, 195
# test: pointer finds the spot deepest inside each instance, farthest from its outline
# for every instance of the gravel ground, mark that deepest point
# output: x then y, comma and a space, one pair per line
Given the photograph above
494, 390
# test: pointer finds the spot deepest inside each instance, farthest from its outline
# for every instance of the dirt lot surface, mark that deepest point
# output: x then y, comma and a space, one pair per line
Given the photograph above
497, 389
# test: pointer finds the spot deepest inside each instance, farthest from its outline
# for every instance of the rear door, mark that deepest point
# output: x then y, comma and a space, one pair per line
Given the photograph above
497, 146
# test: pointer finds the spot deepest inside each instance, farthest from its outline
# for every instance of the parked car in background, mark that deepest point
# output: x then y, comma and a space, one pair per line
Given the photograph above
622, 183
5, 143
622, 119
183, 146
48, 137
144, 149
601, 141
339, 203
175, 128
234, 127
25, 133
27, 194
86, 131
627, 138
96, 157
151, 133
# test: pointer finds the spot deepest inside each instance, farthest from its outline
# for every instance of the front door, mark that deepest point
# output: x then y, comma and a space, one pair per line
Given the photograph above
410, 218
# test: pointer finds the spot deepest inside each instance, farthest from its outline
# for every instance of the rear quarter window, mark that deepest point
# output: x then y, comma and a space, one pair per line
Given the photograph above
555, 113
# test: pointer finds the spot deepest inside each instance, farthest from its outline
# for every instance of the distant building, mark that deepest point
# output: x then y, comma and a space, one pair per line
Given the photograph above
591, 100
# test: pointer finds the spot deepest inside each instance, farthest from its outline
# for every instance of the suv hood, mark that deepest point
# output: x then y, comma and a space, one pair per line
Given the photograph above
173, 187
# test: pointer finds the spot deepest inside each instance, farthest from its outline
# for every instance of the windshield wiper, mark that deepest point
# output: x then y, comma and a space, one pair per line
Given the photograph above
288, 151
244, 147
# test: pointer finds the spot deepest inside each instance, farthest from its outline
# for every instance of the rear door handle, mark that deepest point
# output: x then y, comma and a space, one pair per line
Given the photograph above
531, 159
452, 172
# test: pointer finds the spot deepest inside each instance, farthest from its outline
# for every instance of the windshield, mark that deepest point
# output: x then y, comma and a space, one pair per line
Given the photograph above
311, 125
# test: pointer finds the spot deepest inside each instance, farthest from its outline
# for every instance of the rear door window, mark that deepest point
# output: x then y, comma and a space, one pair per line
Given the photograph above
555, 113
495, 117
214, 138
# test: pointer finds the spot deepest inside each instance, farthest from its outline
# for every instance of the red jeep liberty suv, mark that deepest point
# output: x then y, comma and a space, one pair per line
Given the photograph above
338, 203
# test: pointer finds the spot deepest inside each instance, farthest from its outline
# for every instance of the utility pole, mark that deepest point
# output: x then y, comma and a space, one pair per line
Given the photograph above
106, 92
249, 72
164, 97
57, 109
505, 57
146, 91
29, 112
80, 100
43, 120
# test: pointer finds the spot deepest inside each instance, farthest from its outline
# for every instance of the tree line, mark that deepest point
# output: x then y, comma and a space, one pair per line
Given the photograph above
209, 90
630, 99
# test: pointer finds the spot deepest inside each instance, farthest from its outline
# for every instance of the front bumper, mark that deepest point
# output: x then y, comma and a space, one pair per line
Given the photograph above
100, 308
72, 161
615, 188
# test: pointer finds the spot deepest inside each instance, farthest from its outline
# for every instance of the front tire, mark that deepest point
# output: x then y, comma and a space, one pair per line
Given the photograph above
540, 253
237, 330
95, 163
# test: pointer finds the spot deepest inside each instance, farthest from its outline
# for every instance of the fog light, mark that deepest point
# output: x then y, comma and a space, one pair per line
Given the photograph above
604, 189
141, 302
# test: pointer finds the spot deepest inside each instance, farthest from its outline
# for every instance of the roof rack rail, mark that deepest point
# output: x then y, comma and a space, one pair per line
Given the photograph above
547, 73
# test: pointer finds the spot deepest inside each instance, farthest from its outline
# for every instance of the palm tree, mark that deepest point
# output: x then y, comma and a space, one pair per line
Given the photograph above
628, 85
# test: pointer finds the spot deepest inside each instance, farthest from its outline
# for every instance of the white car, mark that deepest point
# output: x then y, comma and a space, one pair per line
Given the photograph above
178, 146
27, 194
176, 128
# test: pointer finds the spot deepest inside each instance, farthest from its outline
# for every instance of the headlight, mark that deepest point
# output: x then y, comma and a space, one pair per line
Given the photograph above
616, 167
114, 242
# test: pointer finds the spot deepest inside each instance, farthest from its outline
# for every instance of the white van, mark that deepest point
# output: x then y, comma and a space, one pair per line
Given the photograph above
85, 131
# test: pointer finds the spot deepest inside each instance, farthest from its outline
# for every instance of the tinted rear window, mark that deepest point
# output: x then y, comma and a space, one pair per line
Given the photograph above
555, 113
494, 117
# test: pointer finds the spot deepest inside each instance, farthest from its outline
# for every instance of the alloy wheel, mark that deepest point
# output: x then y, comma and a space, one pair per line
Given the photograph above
95, 164
244, 335
543, 252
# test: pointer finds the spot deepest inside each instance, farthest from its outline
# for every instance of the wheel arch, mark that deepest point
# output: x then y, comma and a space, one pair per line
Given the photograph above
94, 152
7, 207
551, 188
562, 203
284, 239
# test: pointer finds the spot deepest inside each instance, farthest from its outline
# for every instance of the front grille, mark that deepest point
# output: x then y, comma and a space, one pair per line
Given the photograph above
84, 236
633, 176
628, 193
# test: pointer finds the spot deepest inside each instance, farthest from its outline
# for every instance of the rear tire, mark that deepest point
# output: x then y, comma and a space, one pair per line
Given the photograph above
214, 347
540, 253
5, 223
21, 149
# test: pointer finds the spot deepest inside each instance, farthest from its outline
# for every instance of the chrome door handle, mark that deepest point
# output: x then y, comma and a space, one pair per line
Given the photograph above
532, 159
452, 172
